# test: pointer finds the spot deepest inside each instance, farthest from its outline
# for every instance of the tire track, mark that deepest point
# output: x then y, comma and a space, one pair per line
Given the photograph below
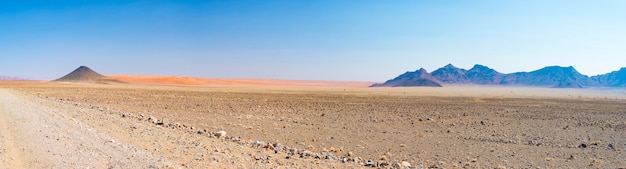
36, 136
11, 157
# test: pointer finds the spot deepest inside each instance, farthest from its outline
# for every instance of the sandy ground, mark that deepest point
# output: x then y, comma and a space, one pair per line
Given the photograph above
450, 127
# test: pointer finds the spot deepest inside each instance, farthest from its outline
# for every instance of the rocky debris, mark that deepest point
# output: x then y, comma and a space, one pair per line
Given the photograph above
220, 134
200, 132
330, 157
405, 164
257, 144
383, 164
343, 159
308, 153
161, 122
370, 163
402, 165
174, 125
152, 120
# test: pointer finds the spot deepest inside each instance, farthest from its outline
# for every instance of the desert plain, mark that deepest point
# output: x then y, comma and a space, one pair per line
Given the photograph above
80, 125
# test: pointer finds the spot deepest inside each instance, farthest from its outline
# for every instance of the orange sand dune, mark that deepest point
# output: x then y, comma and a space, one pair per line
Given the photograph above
181, 80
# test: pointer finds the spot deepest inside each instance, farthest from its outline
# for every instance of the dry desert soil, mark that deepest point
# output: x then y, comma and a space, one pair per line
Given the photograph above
73, 125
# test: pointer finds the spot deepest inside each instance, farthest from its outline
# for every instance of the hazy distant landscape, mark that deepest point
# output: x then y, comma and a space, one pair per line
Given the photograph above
325, 84
176, 122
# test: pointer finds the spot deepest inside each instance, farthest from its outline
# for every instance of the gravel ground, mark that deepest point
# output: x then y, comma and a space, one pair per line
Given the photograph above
41, 133
289, 127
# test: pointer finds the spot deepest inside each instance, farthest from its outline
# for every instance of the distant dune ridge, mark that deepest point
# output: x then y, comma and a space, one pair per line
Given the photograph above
84, 74
194, 81
551, 76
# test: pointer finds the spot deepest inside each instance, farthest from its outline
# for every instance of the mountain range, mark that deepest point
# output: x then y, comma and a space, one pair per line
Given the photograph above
551, 76
11, 78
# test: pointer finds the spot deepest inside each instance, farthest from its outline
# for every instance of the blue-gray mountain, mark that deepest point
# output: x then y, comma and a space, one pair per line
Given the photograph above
613, 79
551, 76
419, 77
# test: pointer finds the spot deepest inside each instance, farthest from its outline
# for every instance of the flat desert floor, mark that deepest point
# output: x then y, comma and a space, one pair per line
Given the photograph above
158, 126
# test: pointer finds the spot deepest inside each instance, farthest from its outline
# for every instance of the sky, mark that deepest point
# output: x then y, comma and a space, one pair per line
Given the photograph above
348, 40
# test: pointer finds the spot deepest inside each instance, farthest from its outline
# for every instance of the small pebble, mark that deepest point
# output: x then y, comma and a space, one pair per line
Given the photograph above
330, 157
583, 145
405, 164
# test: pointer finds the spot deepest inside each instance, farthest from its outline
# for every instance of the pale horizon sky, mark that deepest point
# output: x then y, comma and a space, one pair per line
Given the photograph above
307, 40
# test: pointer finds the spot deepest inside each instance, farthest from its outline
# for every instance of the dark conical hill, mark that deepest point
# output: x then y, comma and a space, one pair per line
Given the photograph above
85, 74
82, 73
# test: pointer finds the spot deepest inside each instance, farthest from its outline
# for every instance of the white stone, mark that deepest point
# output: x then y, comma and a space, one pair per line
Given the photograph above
406, 164
220, 133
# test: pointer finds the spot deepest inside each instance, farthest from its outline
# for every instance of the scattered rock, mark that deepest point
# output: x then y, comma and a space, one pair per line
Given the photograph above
383, 164
405, 164
344, 160
330, 157
308, 153
152, 120
571, 157
369, 163
277, 145
257, 143
220, 134
357, 160
583, 145
174, 125
162, 122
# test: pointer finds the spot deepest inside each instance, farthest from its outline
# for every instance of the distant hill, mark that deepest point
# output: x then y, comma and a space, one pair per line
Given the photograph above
551, 76
11, 78
85, 74
484, 75
450, 74
613, 79
420, 77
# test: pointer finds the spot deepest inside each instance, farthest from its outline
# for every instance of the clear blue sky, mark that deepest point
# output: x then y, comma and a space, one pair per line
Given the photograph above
358, 40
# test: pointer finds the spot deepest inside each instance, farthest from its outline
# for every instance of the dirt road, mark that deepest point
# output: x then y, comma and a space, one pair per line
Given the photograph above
32, 136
